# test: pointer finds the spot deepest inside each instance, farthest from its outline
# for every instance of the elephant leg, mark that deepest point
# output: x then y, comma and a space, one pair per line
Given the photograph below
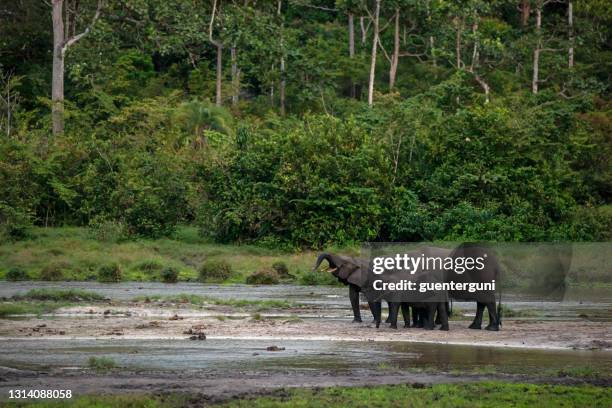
354, 297
419, 314
477, 323
493, 320
429, 317
393, 314
406, 313
375, 308
443, 316
389, 315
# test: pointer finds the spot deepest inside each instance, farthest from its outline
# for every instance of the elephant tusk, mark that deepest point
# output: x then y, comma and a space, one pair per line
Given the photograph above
332, 270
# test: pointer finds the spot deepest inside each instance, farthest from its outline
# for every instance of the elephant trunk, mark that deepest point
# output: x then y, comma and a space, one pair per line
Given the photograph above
323, 257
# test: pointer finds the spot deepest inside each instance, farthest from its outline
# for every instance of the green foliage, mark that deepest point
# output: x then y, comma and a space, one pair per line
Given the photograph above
263, 277
317, 278
101, 363
14, 224
281, 269
110, 273
17, 274
169, 274
57, 295
55, 271
145, 149
106, 230
215, 271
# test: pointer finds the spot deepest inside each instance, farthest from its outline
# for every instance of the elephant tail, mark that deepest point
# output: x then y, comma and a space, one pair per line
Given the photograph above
500, 309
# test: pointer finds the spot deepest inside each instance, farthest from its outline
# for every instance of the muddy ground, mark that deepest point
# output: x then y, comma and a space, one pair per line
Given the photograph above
141, 320
220, 352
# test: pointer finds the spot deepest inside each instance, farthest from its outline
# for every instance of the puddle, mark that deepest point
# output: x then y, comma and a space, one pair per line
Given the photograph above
222, 357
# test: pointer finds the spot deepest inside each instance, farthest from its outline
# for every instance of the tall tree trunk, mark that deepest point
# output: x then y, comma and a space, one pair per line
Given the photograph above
218, 95
432, 45
374, 50
525, 11
396, 50
281, 87
570, 23
536, 52
57, 81
235, 78
351, 39
219, 46
459, 28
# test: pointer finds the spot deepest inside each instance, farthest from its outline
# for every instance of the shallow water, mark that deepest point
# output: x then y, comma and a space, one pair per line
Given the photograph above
224, 356
595, 304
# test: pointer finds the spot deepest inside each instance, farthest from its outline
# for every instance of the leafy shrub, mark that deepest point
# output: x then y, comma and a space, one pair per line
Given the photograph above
150, 266
263, 277
101, 363
215, 271
14, 224
109, 273
317, 278
17, 274
281, 269
107, 230
169, 274
55, 271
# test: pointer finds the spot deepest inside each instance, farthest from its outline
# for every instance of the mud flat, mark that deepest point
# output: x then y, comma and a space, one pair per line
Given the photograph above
220, 351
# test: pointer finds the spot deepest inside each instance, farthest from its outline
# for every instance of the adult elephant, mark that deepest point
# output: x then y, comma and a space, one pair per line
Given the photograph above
352, 272
435, 302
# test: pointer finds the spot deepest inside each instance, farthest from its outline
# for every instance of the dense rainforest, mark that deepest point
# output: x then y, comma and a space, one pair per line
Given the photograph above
305, 123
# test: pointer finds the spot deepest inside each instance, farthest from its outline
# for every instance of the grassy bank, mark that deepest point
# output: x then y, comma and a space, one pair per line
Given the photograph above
486, 394
39, 301
74, 254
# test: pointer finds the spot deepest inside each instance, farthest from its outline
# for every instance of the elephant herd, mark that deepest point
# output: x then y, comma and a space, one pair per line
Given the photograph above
420, 311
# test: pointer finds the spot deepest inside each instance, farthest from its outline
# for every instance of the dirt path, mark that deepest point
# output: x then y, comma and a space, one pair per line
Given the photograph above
143, 321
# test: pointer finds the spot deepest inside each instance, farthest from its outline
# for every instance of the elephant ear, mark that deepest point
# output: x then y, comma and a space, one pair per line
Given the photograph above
349, 271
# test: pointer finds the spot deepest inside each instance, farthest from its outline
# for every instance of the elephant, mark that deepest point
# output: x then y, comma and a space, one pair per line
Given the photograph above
435, 306
352, 272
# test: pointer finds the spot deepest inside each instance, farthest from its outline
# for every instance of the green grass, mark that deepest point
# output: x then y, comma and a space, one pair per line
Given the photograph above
484, 394
39, 301
79, 256
206, 300
488, 394
101, 363
8, 309
60, 295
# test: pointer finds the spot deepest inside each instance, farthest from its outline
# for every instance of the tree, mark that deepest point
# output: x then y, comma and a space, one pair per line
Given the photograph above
376, 27
219, 46
62, 41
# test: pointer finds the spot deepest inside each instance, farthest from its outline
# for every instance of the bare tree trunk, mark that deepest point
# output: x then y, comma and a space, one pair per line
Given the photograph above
235, 79
281, 87
219, 46
373, 59
218, 95
525, 11
570, 23
57, 81
459, 28
536, 52
396, 49
351, 35
432, 45
61, 43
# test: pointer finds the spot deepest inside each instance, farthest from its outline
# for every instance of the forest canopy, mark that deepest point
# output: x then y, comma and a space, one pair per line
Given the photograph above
306, 123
